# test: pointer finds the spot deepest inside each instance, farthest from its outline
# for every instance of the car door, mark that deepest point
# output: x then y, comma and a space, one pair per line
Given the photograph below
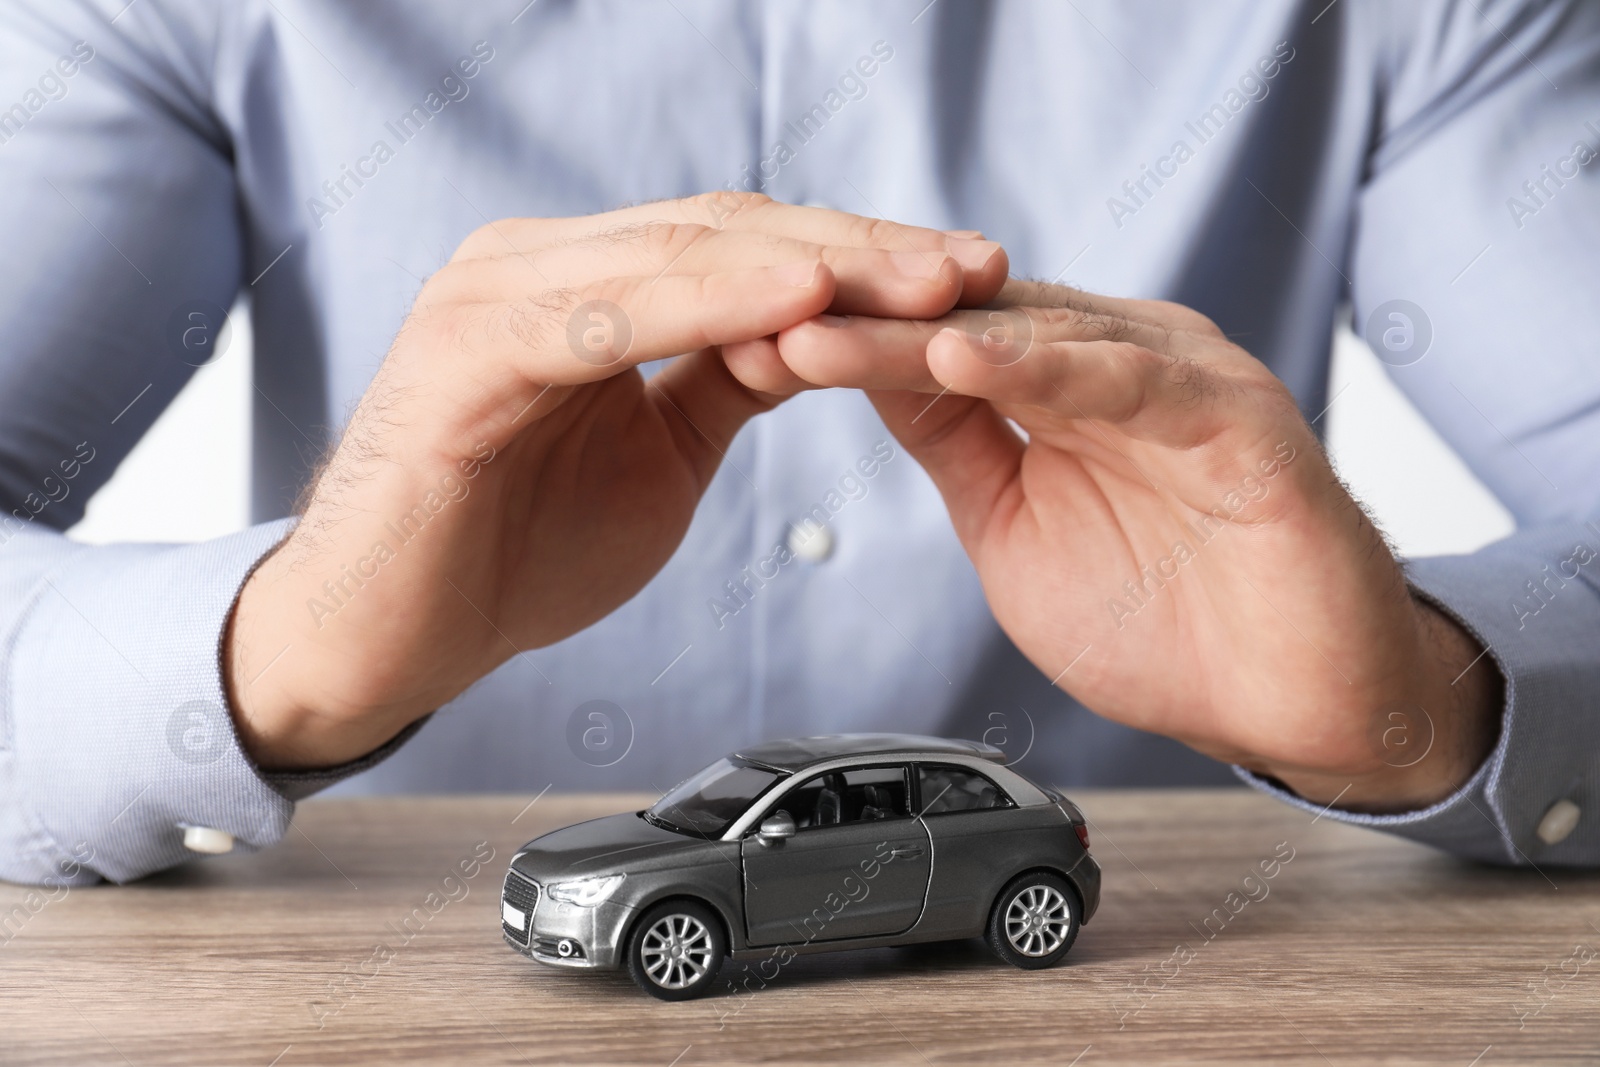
971, 824
857, 866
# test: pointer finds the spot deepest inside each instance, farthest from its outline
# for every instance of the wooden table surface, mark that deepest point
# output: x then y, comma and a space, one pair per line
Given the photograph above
1360, 949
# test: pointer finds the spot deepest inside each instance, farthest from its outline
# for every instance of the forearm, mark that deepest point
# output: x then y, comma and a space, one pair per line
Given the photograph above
1532, 600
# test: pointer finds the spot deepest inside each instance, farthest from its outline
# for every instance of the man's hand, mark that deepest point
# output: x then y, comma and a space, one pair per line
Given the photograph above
1166, 537
510, 477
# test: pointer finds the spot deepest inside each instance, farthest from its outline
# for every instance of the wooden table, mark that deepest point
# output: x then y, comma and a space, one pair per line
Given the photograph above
1361, 949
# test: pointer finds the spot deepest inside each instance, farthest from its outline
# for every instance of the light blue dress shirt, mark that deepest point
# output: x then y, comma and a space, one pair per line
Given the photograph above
1266, 163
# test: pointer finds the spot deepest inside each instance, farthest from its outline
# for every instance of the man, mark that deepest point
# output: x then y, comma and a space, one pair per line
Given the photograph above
872, 452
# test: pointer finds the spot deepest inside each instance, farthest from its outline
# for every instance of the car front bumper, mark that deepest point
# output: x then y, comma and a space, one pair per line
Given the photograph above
593, 935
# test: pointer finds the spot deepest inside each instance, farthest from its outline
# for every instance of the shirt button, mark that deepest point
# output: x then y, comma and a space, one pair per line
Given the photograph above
823, 204
1558, 822
205, 839
811, 543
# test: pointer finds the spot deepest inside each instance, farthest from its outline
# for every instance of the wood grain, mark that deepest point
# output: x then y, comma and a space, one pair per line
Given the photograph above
1361, 949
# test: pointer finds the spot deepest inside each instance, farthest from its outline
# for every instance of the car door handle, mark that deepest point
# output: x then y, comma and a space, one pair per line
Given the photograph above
905, 853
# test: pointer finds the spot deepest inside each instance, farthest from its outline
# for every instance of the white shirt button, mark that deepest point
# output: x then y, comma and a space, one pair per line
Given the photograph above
824, 205
810, 542
1559, 822
205, 839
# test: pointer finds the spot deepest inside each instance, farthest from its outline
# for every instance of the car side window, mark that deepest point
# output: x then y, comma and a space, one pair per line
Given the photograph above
948, 789
838, 798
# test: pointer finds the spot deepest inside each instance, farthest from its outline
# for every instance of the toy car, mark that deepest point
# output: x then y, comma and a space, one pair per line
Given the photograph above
810, 845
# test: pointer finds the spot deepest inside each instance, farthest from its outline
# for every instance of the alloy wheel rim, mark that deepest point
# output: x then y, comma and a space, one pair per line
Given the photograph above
1037, 921
676, 951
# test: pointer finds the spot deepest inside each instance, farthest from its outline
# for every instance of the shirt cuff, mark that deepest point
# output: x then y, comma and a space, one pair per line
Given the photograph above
117, 734
297, 785
1529, 601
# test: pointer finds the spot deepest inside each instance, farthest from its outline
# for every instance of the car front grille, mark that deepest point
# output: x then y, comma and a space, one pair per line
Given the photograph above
522, 893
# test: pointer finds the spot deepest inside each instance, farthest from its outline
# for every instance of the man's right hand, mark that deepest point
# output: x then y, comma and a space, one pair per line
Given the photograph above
510, 478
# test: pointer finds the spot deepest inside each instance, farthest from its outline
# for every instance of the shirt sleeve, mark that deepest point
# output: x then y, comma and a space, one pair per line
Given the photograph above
1478, 223
119, 221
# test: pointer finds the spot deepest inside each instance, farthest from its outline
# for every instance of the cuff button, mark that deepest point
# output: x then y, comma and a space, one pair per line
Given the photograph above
205, 839
1559, 822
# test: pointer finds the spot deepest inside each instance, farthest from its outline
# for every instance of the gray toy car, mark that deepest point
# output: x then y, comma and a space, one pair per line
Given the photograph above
814, 844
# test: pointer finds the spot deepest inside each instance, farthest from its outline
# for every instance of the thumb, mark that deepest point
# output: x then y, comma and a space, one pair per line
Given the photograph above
698, 396
972, 454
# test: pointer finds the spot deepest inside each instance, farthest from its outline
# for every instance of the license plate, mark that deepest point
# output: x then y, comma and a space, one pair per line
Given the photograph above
514, 917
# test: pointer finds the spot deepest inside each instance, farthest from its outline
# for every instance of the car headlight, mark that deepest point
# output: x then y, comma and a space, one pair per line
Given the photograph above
585, 892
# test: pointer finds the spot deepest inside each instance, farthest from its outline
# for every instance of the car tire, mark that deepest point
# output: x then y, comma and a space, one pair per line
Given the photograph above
1035, 920
690, 928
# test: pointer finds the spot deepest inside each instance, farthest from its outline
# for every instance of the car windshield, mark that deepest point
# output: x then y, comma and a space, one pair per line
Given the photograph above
709, 802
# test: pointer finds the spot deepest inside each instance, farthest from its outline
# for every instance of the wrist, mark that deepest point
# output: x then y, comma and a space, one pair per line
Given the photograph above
1428, 741
266, 661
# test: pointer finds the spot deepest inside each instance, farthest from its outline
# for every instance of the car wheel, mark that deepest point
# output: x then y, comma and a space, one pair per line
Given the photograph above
1035, 920
676, 950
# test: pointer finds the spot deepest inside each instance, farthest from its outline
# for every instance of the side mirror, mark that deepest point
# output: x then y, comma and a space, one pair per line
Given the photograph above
776, 827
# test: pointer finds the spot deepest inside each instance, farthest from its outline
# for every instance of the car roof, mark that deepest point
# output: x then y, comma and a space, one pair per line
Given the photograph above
797, 753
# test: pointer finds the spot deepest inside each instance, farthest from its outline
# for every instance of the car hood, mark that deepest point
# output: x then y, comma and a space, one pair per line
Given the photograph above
622, 842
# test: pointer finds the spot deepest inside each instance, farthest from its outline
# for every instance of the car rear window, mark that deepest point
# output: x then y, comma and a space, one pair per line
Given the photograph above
946, 789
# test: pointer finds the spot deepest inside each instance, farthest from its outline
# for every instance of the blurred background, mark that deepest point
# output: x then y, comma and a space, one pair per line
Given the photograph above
1429, 503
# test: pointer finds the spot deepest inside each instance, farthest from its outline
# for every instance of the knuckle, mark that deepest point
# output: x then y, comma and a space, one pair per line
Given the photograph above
1190, 381
454, 282
498, 237
664, 240
1085, 322
873, 233
438, 327
474, 246
534, 321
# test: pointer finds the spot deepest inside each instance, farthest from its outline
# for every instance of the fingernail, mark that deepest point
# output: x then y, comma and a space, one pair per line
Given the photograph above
970, 235
801, 275
972, 255
918, 264
835, 321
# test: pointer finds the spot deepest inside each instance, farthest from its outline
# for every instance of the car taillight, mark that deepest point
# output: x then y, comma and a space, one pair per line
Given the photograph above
1083, 834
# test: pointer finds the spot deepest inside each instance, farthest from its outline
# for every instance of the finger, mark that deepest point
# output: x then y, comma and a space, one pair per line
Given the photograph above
859, 352
1092, 311
759, 366
971, 453
871, 353
984, 264
868, 280
586, 334
705, 405
1170, 401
